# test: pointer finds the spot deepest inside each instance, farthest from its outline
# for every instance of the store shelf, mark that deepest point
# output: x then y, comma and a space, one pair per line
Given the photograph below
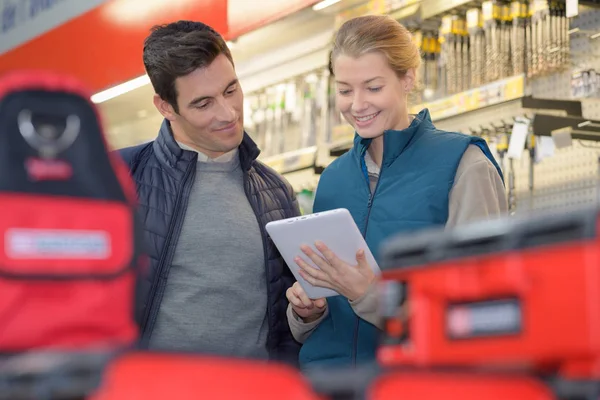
571, 107
484, 96
293, 161
581, 128
409, 15
590, 3
435, 8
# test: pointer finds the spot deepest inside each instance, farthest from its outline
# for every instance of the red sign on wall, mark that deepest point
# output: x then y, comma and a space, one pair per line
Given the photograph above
101, 41
244, 16
103, 47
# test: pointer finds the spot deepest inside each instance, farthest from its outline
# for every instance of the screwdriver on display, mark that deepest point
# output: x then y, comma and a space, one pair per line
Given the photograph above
446, 59
490, 13
477, 46
505, 36
518, 16
419, 41
429, 48
563, 29
553, 40
433, 46
465, 57
543, 36
457, 54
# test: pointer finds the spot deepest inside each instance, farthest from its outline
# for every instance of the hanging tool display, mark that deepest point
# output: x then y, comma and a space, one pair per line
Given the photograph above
477, 46
454, 56
560, 38
463, 36
497, 40
530, 41
563, 32
277, 105
518, 14
432, 65
290, 128
501, 39
447, 56
491, 24
423, 45
542, 37
550, 39
270, 121
553, 39
505, 39
308, 123
289, 116
428, 44
249, 118
258, 106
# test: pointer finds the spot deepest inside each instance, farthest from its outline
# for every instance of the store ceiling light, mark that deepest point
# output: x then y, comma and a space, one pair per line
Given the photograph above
118, 90
324, 4
136, 12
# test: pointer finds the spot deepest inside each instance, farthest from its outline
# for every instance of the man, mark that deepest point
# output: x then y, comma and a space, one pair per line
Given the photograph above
217, 283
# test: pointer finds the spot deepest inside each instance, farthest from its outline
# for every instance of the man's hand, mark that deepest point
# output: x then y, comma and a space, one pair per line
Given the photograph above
307, 309
351, 281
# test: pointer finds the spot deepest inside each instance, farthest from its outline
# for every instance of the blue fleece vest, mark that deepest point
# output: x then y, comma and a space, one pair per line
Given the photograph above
417, 174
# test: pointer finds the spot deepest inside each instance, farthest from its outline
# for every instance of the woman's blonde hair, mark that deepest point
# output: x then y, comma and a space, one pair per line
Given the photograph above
377, 33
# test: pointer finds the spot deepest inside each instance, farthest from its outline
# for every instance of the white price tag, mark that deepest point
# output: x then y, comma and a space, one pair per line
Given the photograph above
572, 8
545, 148
518, 138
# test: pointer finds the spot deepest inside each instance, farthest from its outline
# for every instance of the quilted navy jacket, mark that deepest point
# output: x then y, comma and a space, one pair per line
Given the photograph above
164, 174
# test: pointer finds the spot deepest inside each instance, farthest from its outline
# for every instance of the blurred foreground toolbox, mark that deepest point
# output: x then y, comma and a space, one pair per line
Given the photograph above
517, 295
71, 247
164, 376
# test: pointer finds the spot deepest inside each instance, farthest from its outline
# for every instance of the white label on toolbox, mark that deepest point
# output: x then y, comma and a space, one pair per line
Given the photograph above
485, 318
55, 243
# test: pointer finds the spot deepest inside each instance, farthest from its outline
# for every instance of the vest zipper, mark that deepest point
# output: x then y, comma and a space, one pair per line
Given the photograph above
369, 205
150, 313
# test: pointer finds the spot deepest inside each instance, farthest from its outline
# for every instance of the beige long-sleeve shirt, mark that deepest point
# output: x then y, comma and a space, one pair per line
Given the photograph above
477, 194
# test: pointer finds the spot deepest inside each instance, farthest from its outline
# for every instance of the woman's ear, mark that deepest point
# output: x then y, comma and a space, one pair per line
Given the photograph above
409, 80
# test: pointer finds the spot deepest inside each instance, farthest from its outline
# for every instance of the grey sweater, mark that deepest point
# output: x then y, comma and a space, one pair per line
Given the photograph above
216, 295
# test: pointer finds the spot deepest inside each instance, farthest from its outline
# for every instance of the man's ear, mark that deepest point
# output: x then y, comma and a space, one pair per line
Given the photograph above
164, 108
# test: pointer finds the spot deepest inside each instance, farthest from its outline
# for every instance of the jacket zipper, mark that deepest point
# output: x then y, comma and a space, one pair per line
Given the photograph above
369, 205
150, 313
266, 255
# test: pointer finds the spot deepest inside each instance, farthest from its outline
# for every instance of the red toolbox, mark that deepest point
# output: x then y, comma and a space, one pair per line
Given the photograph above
514, 294
420, 385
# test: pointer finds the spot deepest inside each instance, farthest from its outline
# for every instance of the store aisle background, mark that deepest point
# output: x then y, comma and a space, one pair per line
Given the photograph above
282, 62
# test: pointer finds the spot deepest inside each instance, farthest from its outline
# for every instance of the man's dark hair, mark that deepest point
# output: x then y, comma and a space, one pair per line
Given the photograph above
177, 49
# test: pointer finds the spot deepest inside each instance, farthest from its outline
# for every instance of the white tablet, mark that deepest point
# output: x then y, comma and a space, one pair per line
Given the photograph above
335, 228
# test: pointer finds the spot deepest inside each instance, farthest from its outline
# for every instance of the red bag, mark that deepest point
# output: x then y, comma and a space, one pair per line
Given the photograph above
70, 249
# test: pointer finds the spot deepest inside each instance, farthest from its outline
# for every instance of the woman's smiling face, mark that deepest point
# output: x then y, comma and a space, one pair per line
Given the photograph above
369, 94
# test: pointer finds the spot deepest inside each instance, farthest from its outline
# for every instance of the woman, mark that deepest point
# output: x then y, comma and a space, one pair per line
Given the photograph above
401, 175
